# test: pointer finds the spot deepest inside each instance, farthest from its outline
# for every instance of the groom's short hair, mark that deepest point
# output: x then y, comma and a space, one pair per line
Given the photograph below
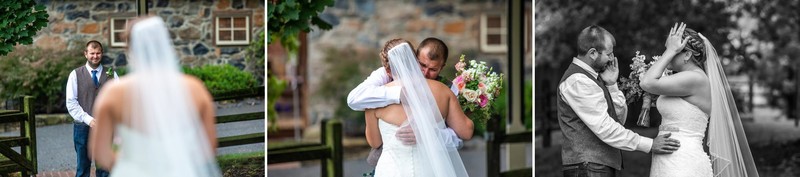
94, 44
594, 37
438, 49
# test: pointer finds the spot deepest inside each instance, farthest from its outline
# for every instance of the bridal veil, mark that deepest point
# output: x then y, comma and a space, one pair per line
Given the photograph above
431, 157
730, 152
168, 137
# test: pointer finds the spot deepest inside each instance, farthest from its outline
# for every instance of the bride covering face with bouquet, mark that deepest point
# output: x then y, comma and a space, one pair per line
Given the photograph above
427, 105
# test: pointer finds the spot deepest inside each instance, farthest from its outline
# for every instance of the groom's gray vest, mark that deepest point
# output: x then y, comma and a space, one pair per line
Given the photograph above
87, 91
580, 143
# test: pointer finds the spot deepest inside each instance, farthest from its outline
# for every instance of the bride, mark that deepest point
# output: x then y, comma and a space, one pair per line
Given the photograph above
427, 105
695, 96
164, 118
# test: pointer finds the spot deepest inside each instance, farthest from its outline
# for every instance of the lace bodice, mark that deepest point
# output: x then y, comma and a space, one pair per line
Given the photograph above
678, 115
687, 123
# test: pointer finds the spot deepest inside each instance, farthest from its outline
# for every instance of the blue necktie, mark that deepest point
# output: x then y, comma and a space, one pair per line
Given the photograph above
94, 78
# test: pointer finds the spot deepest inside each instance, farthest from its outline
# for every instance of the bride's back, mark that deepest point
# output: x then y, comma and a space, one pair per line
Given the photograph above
117, 98
395, 115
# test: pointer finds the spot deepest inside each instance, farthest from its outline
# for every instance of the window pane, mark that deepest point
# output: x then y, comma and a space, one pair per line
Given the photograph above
239, 22
119, 24
494, 39
118, 37
239, 35
494, 22
224, 35
224, 22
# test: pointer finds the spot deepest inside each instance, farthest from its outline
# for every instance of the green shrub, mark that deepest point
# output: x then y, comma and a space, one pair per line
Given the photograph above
255, 57
222, 78
39, 73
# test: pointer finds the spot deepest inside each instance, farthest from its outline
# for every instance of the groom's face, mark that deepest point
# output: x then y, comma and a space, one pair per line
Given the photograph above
430, 67
603, 57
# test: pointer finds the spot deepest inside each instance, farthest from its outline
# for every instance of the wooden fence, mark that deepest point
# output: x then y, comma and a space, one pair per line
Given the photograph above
246, 138
25, 160
329, 150
496, 137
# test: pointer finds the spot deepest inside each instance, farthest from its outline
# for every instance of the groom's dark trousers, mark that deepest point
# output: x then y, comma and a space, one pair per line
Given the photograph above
589, 169
583, 153
87, 91
81, 136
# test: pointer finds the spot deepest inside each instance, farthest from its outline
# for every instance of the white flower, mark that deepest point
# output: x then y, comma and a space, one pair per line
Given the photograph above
470, 95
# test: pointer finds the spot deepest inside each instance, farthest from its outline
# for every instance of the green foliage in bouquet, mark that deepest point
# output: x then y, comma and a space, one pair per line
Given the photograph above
39, 73
19, 22
478, 89
222, 78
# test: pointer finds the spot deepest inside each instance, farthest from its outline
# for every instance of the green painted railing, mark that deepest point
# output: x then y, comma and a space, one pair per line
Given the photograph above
246, 138
329, 150
24, 161
496, 137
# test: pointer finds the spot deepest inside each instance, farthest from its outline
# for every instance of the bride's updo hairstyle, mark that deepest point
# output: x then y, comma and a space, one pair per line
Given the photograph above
696, 47
388, 46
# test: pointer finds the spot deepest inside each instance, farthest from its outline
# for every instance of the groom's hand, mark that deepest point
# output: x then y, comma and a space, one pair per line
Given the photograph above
665, 145
406, 135
611, 72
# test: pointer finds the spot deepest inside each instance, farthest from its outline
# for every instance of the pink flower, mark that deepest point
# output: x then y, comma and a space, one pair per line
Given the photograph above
460, 66
481, 87
459, 82
484, 100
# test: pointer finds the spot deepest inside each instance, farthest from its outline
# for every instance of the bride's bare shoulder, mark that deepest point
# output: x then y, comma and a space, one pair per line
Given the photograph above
196, 86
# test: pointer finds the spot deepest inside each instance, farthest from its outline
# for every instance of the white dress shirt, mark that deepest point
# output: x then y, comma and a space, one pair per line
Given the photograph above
75, 110
588, 101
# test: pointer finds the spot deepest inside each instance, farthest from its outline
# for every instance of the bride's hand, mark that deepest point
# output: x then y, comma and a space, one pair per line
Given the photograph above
675, 41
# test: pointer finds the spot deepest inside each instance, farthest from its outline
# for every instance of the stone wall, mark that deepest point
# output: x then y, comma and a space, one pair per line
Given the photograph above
365, 25
73, 23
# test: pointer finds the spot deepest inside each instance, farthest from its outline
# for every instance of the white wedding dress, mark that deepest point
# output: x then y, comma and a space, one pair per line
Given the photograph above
688, 124
429, 156
132, 164
396, 159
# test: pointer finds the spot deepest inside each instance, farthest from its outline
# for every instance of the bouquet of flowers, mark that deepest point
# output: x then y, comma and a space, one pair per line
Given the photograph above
630, 86
477, 87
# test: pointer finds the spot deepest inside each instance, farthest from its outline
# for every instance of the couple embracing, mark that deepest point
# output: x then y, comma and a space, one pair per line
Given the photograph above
413, 120
695, 103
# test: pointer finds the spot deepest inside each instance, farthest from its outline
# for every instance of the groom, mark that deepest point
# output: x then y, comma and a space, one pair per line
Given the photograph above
592, 110
83, 84
432, 55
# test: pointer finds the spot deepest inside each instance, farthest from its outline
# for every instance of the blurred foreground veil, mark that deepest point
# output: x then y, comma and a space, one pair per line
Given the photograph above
165, 136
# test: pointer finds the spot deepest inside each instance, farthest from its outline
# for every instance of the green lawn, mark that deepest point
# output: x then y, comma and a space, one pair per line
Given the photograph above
242, 164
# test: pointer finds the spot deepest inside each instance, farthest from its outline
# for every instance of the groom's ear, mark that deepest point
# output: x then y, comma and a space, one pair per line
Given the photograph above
592, 53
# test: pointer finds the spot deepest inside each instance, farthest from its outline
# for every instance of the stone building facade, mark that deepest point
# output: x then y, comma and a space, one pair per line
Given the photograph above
203, 31
476, 28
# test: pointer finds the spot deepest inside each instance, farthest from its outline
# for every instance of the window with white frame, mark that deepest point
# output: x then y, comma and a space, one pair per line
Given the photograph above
493, 33
232, 29
118, 27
